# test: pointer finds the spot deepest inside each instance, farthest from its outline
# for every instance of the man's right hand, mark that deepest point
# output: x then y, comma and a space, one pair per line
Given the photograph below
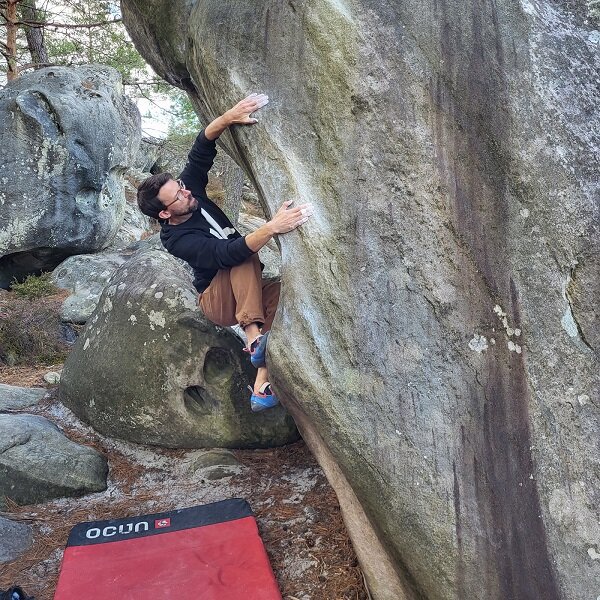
286, 219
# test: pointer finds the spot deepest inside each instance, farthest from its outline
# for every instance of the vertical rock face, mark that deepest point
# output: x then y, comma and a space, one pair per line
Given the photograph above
441, 302
68, 135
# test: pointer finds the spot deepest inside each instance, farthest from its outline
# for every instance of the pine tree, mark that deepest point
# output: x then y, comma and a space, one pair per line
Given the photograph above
72, 32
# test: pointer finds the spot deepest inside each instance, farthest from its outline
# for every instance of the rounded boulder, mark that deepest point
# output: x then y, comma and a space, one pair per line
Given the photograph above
150, 368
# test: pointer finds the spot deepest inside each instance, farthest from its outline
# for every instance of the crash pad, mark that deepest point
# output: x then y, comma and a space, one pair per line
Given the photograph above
210, 552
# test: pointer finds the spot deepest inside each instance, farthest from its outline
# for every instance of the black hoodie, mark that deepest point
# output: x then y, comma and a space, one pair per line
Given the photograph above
207, 240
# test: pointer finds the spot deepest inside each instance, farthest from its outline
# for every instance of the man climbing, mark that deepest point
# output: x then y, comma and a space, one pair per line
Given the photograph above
227, 272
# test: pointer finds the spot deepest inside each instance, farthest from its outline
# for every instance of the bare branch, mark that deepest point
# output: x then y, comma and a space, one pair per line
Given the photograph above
69, 25
151, 82
36, 66
166, 110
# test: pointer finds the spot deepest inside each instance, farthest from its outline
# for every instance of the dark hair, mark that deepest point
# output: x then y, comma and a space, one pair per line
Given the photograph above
147, 194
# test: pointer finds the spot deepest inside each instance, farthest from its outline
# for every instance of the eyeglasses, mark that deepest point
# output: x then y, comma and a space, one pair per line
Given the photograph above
181, 185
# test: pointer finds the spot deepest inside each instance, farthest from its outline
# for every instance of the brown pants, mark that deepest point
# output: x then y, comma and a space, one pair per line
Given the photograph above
241, 295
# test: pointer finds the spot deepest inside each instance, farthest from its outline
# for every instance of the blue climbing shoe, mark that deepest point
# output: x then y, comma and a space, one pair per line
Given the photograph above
258, 350
15, 593
263, 399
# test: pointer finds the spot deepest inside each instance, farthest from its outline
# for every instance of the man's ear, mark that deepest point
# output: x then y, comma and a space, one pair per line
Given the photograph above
164, 214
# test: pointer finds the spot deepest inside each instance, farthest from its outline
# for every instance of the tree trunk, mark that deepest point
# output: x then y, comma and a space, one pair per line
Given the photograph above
11, 39
35, 35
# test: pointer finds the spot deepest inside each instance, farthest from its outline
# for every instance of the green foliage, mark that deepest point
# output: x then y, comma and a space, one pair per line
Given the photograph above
35, 286
103, 44
96, 35
79, 32
183, 129
107, 47
184, 120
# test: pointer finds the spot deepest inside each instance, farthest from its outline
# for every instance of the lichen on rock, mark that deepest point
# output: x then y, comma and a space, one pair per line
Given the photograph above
69, 135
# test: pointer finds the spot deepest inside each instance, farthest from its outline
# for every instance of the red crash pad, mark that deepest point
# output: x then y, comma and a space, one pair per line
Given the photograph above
210, 552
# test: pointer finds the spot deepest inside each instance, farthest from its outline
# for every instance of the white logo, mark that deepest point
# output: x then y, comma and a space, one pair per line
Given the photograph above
110, 530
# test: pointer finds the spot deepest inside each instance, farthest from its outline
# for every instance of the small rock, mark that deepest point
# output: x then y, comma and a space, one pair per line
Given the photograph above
52, 377
38, 463
15, 538
12, 397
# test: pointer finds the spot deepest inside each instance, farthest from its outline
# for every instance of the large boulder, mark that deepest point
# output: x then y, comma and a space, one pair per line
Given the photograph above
38, 463
68, 135
149, 367
134, 227
437, 332
147, 154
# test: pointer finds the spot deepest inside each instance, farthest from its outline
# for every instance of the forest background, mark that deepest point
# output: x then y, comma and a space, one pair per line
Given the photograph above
41, 33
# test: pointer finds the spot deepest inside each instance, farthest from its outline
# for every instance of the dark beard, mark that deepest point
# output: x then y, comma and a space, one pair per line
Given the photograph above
192, 209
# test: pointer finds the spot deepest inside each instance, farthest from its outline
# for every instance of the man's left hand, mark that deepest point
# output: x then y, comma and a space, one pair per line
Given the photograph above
238, 115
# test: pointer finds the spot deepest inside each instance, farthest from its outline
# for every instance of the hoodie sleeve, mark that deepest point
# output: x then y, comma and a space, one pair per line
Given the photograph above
210, 253
199, 162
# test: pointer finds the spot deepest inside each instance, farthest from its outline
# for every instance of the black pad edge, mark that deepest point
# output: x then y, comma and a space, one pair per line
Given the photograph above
114, 530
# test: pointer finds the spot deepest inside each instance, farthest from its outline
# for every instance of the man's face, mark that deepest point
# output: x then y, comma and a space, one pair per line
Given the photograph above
176, 199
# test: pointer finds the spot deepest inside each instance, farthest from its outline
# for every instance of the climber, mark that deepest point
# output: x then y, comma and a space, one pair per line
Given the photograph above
227, 271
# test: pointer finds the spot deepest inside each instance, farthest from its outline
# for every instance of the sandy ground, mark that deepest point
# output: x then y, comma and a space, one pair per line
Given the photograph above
296, 509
